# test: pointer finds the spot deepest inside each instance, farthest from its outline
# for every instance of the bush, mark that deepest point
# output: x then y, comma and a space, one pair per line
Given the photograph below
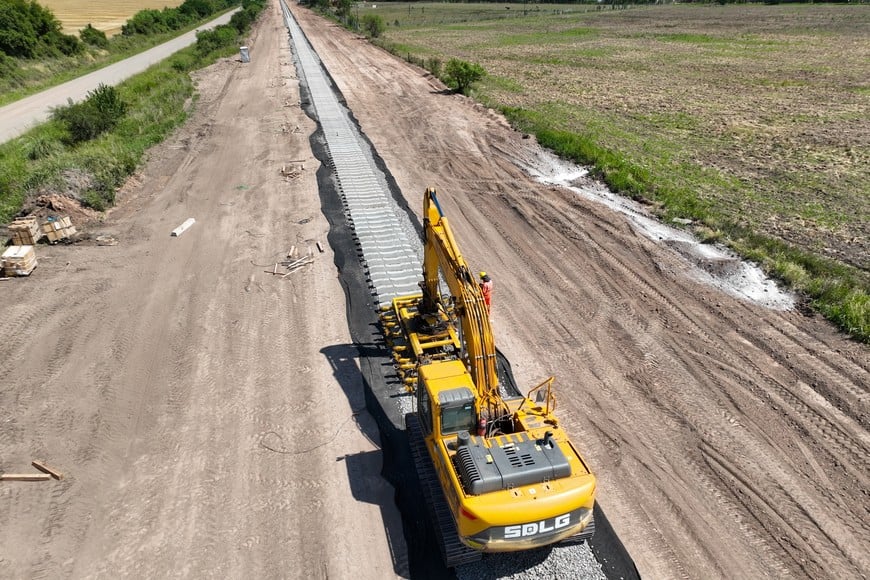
241, 20
461, 75
373, 25
101, 111
94, 37
433, 65
9, 68
208, 41
183, 61
353, 21
17, 35
67, 44
343, 8
94, 200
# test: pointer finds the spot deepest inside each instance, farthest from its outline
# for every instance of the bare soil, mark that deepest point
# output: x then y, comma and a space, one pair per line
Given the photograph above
208, 415
731, 440
183, 390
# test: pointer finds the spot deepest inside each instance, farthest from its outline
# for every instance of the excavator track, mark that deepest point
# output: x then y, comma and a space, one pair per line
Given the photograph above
453, 551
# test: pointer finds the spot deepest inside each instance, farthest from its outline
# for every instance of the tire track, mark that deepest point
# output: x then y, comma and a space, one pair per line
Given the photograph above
647, 372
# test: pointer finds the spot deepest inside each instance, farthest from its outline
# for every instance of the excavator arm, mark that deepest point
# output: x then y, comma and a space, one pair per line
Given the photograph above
442, 258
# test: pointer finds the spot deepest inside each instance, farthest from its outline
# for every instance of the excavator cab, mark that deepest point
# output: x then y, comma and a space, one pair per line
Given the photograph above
444, 403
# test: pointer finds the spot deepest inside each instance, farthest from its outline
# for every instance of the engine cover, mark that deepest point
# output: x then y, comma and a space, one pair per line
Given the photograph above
510, 461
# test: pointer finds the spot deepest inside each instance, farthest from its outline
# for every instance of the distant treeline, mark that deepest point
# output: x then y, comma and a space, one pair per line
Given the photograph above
31, 31
531, 3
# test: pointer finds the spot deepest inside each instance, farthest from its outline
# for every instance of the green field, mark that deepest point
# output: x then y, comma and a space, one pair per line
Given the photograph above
752, 120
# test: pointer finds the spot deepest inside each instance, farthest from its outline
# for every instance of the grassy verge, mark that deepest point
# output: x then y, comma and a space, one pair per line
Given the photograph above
44, 160
36, 76
837, 290
745, 119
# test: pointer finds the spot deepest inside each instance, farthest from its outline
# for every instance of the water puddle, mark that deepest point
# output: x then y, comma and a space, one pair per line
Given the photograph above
712, 264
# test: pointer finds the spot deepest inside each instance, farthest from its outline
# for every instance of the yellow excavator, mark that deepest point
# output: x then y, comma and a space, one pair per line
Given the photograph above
497, 470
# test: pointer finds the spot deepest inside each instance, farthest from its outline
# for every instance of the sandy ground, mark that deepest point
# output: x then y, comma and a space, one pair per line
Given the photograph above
730, 440
182, 389
209, 417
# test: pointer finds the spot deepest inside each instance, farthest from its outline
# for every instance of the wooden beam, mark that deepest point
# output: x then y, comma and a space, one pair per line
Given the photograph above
46, 469
25, 477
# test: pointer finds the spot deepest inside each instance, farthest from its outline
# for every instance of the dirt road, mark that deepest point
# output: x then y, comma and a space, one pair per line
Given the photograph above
182, 389
731, 440
185, 391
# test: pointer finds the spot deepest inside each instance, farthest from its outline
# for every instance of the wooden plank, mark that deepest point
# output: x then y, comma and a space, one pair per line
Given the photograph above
25, 477
46, 469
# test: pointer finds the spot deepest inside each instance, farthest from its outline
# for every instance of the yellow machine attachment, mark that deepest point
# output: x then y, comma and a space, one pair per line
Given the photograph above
510, 477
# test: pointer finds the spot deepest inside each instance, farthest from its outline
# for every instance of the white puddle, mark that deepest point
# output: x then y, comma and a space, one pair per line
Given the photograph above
711, 263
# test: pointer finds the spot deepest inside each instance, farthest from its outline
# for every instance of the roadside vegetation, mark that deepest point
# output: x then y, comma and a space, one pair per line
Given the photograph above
88, 149
748, 121
35, 54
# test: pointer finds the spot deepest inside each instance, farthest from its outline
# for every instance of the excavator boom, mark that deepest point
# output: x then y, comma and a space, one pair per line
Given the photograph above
442, 255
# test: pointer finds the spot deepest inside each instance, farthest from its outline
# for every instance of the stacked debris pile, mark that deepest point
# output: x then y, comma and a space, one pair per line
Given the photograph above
57, 229
25, 231
18, 260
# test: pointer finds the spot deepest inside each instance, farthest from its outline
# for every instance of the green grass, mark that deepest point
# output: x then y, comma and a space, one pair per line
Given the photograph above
745, 118
41, 159
36, 76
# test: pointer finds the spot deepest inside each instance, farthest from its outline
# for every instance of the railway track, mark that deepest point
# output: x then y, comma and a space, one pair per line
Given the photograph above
386, 244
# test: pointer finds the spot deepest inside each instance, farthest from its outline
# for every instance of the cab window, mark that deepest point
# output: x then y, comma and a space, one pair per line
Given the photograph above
424, 407
458, 418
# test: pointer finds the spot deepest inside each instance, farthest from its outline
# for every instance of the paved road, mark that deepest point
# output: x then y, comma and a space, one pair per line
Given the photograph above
21, 116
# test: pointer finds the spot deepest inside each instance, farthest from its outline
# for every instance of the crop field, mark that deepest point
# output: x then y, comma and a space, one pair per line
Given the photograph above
105, 15
752, 120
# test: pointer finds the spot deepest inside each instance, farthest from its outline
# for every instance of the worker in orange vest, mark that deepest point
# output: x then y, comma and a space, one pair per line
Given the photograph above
486, 289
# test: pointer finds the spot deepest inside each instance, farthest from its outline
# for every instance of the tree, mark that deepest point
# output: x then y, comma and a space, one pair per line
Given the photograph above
342, 9
197, 8
144, 22
462, 74
67, 44
373, 25
17, 36
27, 30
